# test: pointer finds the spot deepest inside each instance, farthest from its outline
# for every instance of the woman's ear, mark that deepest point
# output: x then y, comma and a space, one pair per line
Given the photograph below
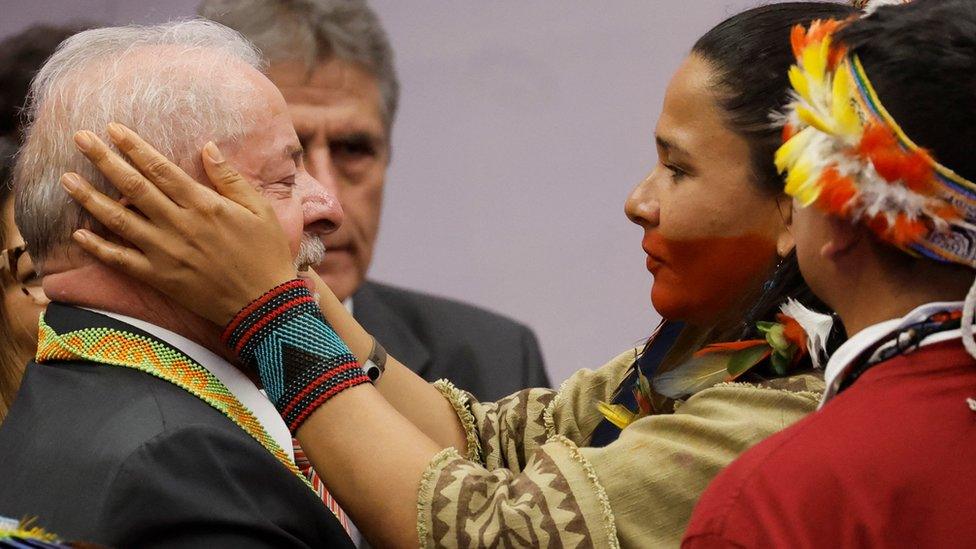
784, 238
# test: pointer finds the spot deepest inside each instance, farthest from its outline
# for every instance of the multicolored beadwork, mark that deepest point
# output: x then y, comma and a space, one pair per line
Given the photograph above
300, 359
119, 348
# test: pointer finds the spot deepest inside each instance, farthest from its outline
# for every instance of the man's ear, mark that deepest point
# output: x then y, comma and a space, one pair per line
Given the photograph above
843, 237
784, 240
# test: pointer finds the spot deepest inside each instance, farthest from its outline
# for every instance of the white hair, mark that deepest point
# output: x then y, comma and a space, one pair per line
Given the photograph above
178, 85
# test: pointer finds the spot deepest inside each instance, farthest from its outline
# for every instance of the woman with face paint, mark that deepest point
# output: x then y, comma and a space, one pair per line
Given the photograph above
542, 467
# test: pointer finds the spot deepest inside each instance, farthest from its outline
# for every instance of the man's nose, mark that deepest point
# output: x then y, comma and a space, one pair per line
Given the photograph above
642, 206
321, 211
318, 162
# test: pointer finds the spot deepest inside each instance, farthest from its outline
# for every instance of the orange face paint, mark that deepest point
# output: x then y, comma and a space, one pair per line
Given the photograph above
697, 280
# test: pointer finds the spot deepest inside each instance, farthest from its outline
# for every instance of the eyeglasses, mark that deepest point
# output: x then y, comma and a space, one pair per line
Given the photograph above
17, 268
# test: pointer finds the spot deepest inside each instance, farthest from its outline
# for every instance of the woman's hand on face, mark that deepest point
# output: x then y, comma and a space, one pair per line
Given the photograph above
211, 251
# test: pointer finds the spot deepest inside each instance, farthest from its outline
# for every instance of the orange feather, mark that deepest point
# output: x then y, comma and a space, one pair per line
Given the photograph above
798, 39
948, 212
793, 332
836, 192
905, 231
729, 346
878, 224
896, 165
788, 132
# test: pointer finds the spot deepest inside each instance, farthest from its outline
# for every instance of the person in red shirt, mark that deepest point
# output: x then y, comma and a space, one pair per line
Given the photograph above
879, 142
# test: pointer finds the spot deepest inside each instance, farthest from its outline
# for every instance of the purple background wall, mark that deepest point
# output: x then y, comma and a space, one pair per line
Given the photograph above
523, 127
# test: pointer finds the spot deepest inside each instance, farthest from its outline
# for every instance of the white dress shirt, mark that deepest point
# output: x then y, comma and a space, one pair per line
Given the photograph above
236, 382
842, 360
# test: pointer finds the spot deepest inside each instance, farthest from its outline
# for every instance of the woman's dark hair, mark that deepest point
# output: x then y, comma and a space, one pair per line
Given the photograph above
921, 59
750, 54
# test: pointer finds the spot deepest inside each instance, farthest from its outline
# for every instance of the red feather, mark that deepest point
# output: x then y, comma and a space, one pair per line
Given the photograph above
836, 192
798, 38
793, 332
788, 132
893, 163
729, 346
878, 224
905, 231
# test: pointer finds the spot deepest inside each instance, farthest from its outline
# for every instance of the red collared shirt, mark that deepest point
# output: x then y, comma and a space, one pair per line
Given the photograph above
889, 462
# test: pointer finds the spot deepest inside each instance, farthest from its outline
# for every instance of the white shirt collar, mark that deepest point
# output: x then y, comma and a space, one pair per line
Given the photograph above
236, 382
841, 361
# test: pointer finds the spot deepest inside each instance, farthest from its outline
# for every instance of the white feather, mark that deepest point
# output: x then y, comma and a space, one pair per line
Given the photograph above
816, 325
871, 5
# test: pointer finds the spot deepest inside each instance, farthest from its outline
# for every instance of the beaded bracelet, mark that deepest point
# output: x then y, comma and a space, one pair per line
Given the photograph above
300, 359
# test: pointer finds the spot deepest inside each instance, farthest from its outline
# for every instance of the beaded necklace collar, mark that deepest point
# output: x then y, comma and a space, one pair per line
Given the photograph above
899, 342
120, 348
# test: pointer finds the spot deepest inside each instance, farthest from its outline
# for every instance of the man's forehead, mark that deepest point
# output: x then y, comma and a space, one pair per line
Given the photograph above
329, 82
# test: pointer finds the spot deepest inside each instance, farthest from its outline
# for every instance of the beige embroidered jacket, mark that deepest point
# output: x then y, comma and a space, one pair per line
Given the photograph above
530, 481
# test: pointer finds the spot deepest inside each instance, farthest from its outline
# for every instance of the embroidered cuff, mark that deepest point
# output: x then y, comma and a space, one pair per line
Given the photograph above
300, 359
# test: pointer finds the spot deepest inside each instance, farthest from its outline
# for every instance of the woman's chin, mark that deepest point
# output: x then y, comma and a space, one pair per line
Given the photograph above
675, 308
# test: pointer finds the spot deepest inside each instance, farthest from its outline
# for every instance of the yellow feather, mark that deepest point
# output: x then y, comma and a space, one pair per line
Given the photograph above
617, 414
800, 183
845, 117
790, 151
812, 118
808, 194
815, 62
799, 82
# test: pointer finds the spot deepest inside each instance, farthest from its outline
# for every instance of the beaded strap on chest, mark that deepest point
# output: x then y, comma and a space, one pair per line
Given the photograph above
119, 348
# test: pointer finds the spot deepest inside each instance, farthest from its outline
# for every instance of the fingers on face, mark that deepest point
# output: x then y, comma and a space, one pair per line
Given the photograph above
228, 182
117, 218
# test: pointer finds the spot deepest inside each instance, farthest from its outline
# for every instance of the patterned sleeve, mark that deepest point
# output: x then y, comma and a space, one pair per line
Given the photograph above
506, 432
638, 492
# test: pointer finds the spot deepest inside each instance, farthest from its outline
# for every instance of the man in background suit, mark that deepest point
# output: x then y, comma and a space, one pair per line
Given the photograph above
133, 428
333, 63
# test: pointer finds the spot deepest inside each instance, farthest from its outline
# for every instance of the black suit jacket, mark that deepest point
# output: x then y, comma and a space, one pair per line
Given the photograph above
484, 353
116, 456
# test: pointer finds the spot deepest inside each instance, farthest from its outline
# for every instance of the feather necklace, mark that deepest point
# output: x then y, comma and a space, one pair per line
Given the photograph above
798, 332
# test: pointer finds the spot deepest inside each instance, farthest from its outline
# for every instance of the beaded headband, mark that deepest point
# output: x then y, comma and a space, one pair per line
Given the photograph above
845, 153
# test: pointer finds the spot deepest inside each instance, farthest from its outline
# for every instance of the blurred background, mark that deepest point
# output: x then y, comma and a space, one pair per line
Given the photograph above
522, 128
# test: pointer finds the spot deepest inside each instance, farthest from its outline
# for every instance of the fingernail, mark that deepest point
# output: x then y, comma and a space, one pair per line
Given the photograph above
213, 152
80, 235
116, 131
84, 140
71, 182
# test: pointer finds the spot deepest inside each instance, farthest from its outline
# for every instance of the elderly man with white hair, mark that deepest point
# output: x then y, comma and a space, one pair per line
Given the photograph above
132, 427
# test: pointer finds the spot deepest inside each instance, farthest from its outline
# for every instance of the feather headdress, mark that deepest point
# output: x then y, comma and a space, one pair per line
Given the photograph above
844, 152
